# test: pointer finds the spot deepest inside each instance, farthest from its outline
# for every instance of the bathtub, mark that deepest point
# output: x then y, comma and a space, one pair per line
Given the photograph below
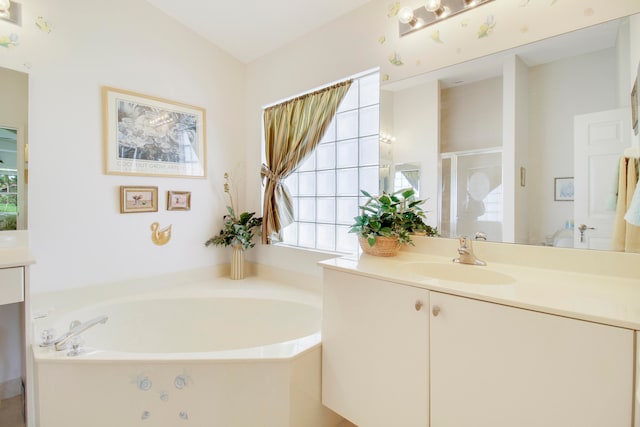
212, 353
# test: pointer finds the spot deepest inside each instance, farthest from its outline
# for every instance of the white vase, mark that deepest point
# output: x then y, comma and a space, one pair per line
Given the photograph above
237, 263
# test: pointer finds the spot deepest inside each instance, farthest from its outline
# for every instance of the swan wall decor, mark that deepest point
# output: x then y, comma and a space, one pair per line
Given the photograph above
159, 236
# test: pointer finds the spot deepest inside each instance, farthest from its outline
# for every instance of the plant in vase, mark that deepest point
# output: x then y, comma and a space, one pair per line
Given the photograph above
387, 221
238, 232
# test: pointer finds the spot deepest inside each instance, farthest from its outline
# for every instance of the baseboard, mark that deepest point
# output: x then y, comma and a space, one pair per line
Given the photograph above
11, 388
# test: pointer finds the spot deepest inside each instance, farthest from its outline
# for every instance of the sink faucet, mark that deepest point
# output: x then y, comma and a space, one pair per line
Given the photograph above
466, 253
75, 329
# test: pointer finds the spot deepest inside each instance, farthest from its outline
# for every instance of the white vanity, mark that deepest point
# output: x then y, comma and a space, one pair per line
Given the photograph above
417, 340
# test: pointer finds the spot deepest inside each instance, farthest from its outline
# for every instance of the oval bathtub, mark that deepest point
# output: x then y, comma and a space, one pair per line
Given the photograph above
212, 353
253, 327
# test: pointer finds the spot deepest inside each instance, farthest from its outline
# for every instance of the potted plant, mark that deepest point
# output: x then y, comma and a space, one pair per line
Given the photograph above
238, 232
387, 221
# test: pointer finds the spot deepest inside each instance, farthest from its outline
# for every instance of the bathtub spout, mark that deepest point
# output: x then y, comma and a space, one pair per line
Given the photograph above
76, 329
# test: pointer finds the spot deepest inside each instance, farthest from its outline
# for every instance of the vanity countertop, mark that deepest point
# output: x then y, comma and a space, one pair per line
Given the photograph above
611, 300
14, 249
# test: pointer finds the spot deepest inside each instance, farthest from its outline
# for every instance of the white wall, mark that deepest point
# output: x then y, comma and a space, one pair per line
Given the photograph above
515, 141
78, 236
416, 120
472, 116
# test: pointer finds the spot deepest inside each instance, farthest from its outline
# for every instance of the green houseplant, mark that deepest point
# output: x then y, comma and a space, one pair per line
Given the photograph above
389, 220
238, 232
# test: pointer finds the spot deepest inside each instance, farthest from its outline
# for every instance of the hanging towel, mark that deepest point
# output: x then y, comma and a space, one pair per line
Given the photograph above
612, 197
633, 212
626, 236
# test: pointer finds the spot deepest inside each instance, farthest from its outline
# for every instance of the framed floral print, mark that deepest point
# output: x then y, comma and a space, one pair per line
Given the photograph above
145, 135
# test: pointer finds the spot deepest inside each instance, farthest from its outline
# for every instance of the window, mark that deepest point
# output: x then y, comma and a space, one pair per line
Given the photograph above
326, 188
8, 200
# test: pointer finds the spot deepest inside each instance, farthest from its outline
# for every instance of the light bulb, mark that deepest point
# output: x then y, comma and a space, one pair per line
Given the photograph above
433, 5
405, 15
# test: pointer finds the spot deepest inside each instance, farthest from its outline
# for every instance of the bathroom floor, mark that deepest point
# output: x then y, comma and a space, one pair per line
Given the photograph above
11, 412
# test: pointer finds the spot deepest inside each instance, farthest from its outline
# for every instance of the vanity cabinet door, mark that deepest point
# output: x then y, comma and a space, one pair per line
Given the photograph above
375, 351
499, 366
11, 285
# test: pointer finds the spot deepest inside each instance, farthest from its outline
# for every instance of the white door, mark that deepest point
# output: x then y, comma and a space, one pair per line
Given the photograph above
599, 141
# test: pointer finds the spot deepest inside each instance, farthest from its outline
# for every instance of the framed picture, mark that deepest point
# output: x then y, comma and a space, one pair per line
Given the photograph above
138, 199
563, 189
145, 135
178, 200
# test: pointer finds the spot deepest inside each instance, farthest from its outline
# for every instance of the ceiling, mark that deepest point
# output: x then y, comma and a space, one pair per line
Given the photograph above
249, 29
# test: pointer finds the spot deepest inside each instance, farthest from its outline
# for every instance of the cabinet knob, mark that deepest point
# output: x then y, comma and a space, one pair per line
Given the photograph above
435, 311
418, 305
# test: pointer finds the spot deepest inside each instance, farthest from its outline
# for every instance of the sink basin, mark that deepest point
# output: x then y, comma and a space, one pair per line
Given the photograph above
461, 273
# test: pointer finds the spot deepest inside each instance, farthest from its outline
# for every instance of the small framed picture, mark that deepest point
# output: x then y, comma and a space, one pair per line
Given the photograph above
563, 189
138, 199
178, 200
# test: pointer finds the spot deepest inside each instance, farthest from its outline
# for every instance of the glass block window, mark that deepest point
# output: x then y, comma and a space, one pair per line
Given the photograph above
326, 188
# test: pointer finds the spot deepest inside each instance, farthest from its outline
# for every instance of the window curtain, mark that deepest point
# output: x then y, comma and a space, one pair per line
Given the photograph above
292, 131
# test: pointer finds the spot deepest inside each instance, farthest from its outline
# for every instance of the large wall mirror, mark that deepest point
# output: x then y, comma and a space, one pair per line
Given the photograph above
13, 150
501, 153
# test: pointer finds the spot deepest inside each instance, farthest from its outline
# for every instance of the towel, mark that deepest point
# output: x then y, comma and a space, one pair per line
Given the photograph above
626, 236
633, 212
612, 197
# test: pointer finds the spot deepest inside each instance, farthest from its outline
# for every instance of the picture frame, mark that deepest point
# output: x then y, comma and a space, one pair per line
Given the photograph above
150, 136
138, 199
563, 189
178, 200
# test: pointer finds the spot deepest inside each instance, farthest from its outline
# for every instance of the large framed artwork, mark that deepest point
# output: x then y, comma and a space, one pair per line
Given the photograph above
145, 135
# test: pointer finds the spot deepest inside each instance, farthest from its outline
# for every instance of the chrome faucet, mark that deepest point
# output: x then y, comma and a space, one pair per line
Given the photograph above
75, 329
466, 253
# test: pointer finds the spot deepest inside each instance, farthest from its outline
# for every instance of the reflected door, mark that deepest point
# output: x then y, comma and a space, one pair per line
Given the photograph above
472, 194
600, 140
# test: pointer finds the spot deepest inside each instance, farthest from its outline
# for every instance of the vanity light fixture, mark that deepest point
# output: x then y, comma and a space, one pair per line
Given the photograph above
5, 5
10, 11
433, 11
387, 138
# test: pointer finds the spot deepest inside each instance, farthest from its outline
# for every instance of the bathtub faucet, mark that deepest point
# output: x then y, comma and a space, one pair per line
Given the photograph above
75, 329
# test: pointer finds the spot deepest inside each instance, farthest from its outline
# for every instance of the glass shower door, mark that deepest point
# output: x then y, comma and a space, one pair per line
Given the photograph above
472, 198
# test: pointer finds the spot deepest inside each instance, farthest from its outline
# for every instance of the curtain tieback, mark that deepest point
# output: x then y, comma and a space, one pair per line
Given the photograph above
265, 172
